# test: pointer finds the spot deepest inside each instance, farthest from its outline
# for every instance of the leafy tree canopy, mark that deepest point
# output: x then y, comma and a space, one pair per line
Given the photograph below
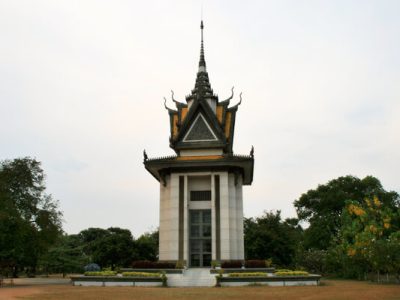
109, 247
30, 221
147, 246
66, 256
269, 236
369, 238
322, 207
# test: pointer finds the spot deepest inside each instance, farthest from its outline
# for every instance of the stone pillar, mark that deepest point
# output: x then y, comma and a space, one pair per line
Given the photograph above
186, 222
224, 217
239, 218
169, 219
213, 220
164, 233
233, 237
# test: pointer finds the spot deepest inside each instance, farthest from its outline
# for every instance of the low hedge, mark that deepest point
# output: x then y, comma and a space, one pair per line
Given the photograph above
283, 270
253, 263
100, 273
146, 264
291, 273
141, 274
231, 264
248, 274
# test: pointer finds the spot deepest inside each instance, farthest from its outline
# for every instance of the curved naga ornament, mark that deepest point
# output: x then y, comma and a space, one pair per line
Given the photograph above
240, 101
166, 107
227, 100
177, 103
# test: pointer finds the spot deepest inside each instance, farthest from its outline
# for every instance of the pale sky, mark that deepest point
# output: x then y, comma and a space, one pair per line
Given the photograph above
82, 86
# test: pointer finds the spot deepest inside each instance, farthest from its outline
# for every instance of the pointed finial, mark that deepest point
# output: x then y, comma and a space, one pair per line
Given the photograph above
202, 62
145, 157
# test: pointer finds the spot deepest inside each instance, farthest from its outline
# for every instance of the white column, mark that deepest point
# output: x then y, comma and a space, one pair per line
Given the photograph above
224, 216
186, 221
213, 222
172, 242
239, 218
232, 217
164, 220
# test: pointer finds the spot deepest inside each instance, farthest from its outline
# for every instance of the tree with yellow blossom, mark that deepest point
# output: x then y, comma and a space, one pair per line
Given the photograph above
369, 237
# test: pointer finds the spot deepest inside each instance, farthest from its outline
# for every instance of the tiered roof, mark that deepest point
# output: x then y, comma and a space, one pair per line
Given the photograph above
202, 123
216, 115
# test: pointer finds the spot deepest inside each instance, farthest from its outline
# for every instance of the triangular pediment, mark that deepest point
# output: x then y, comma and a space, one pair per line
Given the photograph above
200, 131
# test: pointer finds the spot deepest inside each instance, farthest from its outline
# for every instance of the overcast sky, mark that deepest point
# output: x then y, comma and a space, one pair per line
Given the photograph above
82, 86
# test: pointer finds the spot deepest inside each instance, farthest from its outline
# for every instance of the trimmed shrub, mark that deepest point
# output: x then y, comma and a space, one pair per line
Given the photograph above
231, 264
292, 273
268, 262
215, 263
164, 279
255, 263
143, 264
141, 274
283, 270
165, 265
180, 264
248, 274
101, 273
146, 264
92, 267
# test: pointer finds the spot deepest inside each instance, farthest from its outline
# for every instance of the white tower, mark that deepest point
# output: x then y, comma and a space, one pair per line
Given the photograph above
201, 203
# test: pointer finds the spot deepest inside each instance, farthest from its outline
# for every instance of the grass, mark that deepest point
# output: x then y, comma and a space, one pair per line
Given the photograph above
329, 290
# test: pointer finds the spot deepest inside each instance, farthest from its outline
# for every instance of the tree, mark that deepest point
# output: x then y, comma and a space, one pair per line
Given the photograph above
322, 207
147, 246
90, 239
368, 236
66, 256
30, 221
270, 237
113, 247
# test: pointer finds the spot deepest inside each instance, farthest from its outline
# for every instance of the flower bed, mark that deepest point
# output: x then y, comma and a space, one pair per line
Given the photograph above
240, 270
248, 274
141, 274
116, 281
291, 273
100, 273
110, 278
167, 271
268, 280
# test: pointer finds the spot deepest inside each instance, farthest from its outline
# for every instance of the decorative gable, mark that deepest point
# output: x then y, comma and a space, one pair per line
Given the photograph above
203, 122
200, 131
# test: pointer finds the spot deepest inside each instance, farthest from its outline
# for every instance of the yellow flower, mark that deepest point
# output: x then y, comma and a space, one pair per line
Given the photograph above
386, 225
356, 210
377, 202
386, 220
351, 252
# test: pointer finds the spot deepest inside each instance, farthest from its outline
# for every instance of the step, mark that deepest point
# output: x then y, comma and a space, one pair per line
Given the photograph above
192, 278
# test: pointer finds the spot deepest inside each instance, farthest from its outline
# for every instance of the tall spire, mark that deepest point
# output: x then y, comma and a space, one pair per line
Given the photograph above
202, 86
202, 62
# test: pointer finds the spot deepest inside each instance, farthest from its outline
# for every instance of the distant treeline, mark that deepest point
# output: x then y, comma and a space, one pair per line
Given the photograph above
351, 228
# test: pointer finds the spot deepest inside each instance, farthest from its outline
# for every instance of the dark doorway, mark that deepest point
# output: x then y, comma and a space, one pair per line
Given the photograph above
200, 238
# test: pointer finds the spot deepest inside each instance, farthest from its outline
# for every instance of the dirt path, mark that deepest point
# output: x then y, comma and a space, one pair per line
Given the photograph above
14, 292
330, 290
29, 286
